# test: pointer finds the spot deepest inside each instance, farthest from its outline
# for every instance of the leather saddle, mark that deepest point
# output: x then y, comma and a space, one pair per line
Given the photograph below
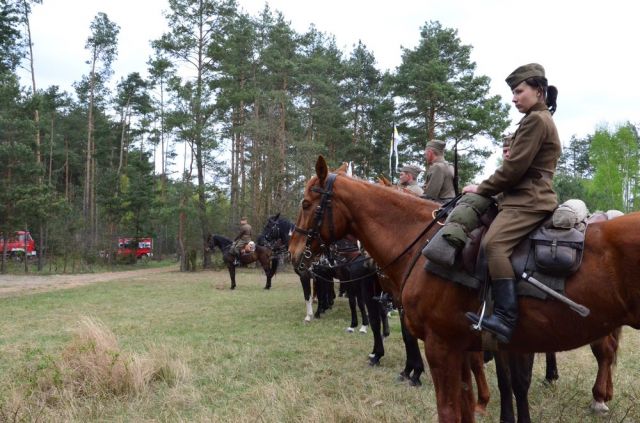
549, 254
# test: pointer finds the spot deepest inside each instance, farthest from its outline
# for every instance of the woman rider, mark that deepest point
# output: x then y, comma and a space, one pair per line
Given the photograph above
524, 179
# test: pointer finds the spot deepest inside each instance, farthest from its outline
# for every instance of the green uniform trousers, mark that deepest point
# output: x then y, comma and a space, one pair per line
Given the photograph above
505, 233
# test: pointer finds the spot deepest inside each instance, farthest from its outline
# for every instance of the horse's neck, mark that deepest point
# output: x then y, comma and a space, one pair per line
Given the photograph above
223, 243
384, 220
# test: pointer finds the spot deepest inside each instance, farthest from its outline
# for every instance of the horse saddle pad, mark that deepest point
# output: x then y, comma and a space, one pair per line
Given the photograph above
548, 254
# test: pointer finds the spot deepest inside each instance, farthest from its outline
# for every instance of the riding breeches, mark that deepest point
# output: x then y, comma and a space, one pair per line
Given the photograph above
508, 228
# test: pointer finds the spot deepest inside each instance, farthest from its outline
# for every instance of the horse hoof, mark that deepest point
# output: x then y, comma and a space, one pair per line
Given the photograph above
599, 407
233, 287
402, 376
374, 361
307, 319
415, 382
363, 329
350, 330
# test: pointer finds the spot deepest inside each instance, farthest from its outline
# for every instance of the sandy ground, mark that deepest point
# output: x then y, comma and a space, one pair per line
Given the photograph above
11, 285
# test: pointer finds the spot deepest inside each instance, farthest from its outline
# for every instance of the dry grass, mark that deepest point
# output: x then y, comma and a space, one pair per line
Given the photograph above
91, 367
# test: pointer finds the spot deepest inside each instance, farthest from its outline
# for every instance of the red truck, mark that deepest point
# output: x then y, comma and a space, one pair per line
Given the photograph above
18, 245
126, 247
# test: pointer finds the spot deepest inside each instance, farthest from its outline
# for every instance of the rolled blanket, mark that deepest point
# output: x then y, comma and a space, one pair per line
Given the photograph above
453, 236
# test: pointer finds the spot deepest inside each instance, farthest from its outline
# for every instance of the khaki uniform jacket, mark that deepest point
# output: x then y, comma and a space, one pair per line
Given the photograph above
438, 184
413, 187
245, 233
525, 179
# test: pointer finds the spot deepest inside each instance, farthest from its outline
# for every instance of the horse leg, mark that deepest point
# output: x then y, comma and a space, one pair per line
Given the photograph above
319, 285
414, 366
386, 331
605, 351
232, 274
476, 360
269, 271
503, 374
451, 380
268, 284
521, 370
551, 374
305, 281
367, 292
360, 300
352, 307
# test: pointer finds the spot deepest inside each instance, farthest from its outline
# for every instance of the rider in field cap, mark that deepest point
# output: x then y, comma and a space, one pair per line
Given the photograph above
409, 179
525, 180
438, 183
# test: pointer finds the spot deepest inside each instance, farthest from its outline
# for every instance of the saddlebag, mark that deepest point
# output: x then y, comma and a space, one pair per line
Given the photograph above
557, 252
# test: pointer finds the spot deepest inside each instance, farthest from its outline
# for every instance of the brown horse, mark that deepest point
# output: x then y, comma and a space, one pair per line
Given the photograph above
262, 255
392, 224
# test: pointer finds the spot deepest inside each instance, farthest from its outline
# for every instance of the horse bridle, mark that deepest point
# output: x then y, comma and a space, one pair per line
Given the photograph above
314, 233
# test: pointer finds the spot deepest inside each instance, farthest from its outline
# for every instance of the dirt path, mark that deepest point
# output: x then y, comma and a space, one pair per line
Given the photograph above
11, 285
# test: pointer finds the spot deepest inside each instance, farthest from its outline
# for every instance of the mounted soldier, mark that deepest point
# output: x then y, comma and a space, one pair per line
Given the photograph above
438, 185
409, 179
240, 242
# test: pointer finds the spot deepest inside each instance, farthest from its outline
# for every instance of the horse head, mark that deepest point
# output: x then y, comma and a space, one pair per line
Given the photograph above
318, 222
219, 241
276, 232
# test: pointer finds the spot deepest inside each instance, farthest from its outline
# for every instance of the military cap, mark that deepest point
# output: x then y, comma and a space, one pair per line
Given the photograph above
437, 145
412, 169
524, 72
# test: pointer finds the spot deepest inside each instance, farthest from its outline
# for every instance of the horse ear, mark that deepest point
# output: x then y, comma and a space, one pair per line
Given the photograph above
276, 217
321, 169
384, 181
343, 168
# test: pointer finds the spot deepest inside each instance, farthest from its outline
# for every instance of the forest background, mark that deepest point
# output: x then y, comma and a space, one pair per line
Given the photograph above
229, 121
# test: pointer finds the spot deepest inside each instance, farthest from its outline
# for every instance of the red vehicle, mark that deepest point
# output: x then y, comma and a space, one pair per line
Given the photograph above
126, 247
19, 244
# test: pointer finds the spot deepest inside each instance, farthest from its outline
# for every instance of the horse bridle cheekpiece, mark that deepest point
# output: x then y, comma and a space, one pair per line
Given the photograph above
314, 232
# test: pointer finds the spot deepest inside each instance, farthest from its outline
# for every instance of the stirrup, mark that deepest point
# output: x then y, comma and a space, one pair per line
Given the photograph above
478, 326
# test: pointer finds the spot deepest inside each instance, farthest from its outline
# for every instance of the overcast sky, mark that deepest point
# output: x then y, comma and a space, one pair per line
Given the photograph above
588, 48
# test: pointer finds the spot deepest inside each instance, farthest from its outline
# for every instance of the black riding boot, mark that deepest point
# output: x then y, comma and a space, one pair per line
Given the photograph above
505, 314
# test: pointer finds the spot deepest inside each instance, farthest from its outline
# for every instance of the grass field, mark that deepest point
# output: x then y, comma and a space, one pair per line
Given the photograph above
213, 354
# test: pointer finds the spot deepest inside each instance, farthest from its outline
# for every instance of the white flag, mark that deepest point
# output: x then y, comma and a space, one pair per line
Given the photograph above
395, 140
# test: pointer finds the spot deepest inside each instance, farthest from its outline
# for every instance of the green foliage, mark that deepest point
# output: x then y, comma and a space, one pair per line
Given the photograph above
615, 157
441, 97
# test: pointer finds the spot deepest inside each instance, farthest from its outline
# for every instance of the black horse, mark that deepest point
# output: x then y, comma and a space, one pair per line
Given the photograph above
262, 254
275, 235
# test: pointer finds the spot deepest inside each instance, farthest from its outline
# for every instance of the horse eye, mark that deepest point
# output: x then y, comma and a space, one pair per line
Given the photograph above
306, 204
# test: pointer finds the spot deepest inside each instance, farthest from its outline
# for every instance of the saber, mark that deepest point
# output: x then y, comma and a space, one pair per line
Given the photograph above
578, 308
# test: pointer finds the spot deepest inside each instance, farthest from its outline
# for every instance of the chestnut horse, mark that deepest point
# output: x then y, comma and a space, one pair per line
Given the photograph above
392, 224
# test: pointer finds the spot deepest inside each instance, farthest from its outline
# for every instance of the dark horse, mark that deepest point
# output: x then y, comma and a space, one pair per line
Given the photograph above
275, 235
392, 229
262, 254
